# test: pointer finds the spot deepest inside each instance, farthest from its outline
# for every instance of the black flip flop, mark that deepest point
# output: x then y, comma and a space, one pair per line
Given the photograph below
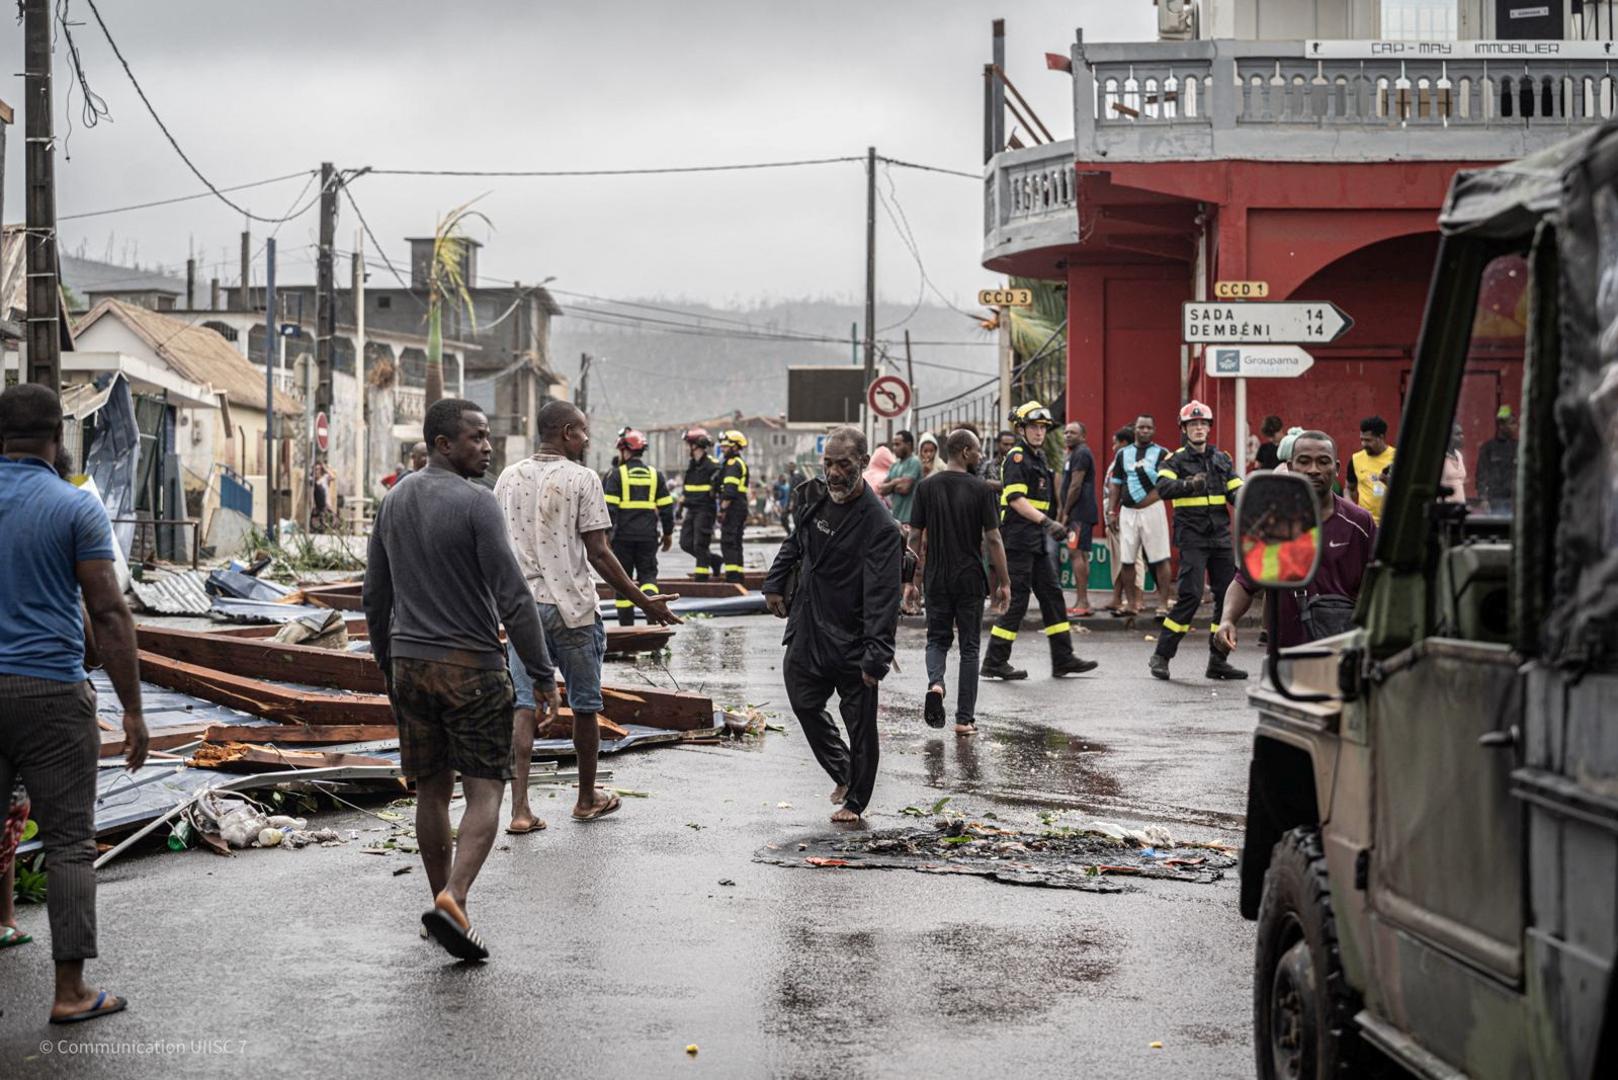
933, 709
100, 1008
461, 944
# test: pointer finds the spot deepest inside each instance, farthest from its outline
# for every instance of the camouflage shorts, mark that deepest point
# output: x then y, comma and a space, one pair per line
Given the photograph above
452, 717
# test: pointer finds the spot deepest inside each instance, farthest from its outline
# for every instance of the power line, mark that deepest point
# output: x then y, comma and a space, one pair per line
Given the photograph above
183, 198
217, 193
653, 171
929, 168
377, 245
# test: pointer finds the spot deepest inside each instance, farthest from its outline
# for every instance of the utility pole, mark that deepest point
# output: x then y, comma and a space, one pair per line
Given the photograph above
1007, 359
910, 377
361, 443
582, 397
190, 284
44, 294
870, 277
245, 292
271, 341
325, 300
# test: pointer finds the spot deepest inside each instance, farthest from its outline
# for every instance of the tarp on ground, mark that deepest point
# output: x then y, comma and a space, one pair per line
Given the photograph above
114, 453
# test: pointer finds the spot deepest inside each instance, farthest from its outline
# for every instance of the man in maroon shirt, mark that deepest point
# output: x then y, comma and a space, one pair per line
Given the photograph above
1347, 537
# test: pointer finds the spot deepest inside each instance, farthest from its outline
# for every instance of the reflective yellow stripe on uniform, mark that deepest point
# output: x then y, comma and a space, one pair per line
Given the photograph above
667, 500
1057, 628
698, 487
1175, 627
1001, 632
649, 588
734, 480
1233, 483
701, 571
1161, 472
623, 603
1199, 500
628, 481
612, 500
1012, 489
732, 568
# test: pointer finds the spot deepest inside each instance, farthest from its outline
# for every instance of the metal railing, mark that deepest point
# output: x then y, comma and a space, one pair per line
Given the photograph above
1271, 101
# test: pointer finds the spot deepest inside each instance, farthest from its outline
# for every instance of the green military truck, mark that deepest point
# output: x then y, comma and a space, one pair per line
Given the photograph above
1432, 826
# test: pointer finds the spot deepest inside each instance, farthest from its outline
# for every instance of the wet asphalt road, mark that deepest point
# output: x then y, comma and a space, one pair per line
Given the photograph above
615, 945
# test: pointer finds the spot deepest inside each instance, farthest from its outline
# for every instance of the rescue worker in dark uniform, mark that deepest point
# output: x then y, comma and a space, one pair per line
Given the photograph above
1199, 481
733, 493
638, 502
1027, 493
699, 502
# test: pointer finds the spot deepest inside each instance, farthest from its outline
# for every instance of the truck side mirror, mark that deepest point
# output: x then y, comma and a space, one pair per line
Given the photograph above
1278, 530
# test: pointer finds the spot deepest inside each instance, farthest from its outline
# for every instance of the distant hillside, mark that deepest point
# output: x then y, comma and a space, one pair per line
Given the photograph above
647, 373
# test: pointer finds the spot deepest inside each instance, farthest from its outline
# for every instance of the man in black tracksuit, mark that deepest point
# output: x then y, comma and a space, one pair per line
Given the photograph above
699, 504
1199, 482
1027, 493
841, 615
733, 493
638, 502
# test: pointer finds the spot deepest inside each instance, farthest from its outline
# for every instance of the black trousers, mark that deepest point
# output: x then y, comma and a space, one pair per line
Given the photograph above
809, 688
1213, 561
639, 559
730, 539
696, 539
1032, 572
954, 612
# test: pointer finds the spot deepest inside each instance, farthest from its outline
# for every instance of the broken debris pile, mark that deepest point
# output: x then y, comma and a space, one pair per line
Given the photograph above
1091, 858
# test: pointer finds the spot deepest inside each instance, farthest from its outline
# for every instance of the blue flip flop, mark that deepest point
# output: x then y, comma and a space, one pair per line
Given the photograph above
100, 1008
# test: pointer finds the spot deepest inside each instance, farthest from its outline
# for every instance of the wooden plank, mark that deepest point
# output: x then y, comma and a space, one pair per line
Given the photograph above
299, 733
230, 671
258, 698
240, 757
161, 739
620, 639
260, 659
694, 590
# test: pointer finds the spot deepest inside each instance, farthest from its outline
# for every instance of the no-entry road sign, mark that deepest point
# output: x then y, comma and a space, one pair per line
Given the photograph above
322, 432
888, 396
1288, 322
1257, 361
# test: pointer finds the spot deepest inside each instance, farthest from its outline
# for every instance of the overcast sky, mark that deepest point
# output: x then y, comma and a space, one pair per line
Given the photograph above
254, 90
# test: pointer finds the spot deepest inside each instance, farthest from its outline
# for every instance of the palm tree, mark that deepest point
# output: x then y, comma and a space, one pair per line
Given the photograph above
446, 284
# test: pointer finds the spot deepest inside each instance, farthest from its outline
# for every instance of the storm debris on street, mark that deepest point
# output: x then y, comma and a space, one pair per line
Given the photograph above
1086, 857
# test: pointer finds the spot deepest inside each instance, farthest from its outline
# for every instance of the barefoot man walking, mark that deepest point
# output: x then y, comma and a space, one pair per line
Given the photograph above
440, 578
841, 617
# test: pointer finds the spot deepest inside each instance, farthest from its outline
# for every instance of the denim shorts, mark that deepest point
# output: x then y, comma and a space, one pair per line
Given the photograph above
577, 652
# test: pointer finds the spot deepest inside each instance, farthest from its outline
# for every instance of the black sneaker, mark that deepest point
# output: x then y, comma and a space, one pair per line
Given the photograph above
1159, 665
1003, 671
1072, 666
1220, 668
933, 709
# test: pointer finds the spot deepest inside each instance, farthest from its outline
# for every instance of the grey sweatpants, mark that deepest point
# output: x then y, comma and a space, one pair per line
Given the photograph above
48, 736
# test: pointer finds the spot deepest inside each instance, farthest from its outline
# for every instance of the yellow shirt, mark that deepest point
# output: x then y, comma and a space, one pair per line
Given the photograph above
1367, 477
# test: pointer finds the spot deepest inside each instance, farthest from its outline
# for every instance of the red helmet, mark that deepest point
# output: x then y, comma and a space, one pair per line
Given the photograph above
631, 440
698, 436
1195, 410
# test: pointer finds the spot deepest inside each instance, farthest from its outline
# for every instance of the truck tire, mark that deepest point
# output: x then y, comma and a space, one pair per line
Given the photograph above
1303, 1007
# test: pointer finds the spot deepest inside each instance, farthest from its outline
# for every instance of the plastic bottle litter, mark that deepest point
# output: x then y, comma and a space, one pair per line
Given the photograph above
181, 836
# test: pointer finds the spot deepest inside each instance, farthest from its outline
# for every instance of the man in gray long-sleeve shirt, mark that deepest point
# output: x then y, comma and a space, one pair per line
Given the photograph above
440, 578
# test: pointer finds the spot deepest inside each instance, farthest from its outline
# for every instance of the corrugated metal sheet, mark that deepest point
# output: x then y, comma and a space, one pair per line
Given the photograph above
174, 594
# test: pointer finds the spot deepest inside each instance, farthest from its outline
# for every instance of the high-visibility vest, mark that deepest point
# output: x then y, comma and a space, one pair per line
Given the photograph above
637, 490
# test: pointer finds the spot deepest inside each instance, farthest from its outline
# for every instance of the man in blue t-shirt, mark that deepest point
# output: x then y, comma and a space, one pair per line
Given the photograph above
56, 545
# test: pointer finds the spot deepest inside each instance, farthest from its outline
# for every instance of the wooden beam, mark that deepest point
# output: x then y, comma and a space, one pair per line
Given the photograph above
299, 733
162, 739
690, 590
258, 698
259, 659
230, 671
620, 639
240, 757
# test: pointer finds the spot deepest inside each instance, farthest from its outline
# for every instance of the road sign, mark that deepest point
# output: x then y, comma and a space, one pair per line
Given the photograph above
888, 396
1241, 290
1006, 297
322, 432
1257, 361
1289, 322
820, 446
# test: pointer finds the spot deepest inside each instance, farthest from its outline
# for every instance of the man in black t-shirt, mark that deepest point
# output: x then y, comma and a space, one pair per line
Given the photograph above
953, 522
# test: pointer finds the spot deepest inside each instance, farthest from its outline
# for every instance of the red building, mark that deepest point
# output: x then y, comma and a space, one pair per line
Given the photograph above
1200, 162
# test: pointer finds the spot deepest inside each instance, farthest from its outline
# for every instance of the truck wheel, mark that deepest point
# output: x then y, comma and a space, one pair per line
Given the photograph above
1303, 1008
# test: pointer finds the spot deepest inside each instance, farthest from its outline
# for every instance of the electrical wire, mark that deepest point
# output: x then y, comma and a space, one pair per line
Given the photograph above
209, 184
908, 236
184, 198
380, 250
95, 106
651, 171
